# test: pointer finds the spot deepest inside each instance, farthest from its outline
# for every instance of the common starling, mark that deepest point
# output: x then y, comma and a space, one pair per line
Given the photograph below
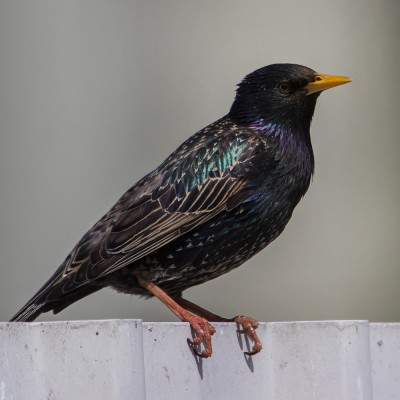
221, 197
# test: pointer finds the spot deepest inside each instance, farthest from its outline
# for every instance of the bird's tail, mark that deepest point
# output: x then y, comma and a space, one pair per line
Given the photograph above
40, 303
37, 305
29, 312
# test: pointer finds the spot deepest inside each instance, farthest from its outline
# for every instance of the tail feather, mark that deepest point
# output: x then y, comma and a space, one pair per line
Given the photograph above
36, 306
29, 312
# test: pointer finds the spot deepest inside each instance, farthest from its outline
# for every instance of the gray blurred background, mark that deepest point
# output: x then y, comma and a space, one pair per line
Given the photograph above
95, 94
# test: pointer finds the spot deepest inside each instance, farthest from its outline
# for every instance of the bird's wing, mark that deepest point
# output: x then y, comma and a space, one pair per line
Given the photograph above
193, 185
166, 204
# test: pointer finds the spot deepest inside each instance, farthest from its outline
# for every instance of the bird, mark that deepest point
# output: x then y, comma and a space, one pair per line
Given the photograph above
221, 197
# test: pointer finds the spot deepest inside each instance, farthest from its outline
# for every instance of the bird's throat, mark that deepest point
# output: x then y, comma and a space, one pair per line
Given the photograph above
293, 143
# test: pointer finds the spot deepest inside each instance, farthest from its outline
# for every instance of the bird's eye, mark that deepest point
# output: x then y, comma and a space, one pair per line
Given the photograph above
284, 87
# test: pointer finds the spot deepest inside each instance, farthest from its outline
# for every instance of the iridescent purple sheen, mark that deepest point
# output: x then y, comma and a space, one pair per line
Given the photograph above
291, 143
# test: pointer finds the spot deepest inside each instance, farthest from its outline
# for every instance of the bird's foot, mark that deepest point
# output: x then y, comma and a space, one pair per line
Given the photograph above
249, 326
203, 331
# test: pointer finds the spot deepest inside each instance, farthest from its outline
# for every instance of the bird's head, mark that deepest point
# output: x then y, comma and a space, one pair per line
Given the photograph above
281, 94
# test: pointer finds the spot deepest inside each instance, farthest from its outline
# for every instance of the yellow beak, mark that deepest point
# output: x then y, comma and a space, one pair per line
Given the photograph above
323, 82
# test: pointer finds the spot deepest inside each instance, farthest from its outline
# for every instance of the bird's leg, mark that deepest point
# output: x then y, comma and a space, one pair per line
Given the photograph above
248, 324
194, 308
202, 328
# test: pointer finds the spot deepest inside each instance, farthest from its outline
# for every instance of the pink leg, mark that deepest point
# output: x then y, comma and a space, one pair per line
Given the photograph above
202, 328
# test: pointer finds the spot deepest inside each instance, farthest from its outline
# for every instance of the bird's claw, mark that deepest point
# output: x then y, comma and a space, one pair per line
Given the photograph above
249, 326
203, 331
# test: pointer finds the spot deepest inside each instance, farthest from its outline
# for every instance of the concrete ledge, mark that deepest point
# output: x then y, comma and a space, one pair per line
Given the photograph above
71, 360
129, 359
385, 361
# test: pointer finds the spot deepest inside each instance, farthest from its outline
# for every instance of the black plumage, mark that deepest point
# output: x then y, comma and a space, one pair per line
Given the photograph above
220, 198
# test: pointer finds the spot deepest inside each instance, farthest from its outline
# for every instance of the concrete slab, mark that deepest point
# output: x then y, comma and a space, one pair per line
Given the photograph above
128, 359
71, 360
